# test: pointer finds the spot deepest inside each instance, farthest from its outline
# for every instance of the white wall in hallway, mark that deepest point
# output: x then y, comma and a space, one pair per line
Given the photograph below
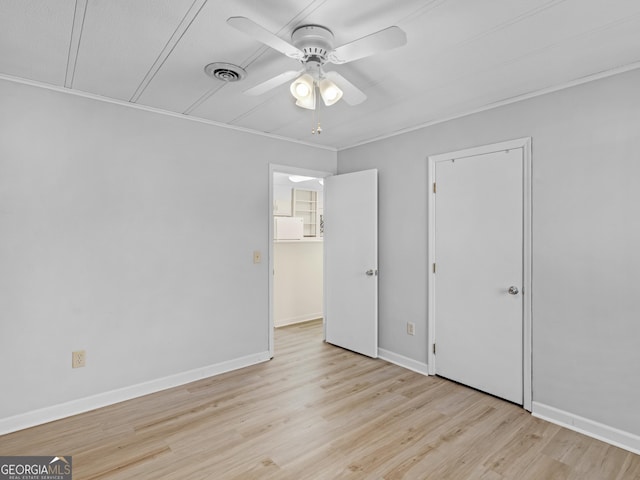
297, 281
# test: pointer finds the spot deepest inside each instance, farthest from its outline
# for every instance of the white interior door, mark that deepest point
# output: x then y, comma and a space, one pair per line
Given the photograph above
351, 261
478, 276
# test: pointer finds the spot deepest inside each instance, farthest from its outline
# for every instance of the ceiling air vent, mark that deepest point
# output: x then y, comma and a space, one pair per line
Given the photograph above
225, 72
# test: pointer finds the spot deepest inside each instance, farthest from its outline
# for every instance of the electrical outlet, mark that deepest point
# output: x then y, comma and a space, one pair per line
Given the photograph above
78, 359
257, 256
411, 328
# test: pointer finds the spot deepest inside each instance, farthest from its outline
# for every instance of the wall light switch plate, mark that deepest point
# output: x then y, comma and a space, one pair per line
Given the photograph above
411, 328
257, 256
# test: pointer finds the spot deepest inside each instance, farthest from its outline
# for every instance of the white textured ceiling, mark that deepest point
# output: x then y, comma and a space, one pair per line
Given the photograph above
461, 55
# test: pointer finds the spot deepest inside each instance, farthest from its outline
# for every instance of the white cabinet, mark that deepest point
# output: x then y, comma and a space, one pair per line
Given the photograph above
298, 203
282, 200
305, 206
282, 208
288, 228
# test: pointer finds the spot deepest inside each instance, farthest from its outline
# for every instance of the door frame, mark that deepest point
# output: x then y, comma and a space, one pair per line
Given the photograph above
525, 145
273, 168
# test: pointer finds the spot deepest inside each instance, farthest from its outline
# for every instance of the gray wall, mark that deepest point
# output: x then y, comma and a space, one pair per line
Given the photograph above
129, 234
586, 232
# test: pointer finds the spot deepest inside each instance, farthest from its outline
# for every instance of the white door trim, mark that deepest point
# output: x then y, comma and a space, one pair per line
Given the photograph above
525, 145
292, 171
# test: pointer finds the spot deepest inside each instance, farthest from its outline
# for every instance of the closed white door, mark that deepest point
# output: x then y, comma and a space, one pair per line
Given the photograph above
478, 279
351, 261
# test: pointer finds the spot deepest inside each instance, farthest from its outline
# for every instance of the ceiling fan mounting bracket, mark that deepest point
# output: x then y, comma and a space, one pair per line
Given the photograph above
315, 41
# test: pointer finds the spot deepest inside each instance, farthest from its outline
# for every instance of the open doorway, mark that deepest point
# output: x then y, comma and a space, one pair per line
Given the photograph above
296, 247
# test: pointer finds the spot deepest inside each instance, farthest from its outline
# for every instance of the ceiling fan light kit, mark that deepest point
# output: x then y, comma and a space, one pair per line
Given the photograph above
312, 45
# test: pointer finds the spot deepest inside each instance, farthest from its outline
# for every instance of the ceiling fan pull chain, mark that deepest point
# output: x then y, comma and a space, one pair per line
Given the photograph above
317, 112
313, 122
316, 127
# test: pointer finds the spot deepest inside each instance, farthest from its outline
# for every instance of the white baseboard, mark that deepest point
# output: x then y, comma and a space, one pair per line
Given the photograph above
619, 438
298, 319
403, 361
74, 407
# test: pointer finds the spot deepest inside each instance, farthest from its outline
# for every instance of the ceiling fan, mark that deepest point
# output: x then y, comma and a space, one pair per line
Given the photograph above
313, 46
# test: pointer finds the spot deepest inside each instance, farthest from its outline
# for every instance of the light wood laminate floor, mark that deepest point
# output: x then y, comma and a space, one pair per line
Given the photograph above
319, 412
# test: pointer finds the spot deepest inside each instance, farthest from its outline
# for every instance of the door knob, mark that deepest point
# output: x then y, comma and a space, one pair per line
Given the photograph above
513, 290
371, 273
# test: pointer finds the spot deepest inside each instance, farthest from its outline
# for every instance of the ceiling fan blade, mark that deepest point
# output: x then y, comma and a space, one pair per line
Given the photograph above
263, 35
274, 82
350, 93
391, 37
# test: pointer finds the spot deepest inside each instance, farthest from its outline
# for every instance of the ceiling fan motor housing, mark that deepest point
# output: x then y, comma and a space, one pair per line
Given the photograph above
315, 42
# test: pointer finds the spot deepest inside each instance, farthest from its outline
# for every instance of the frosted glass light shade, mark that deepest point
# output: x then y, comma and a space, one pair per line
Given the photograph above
303, 89
329, 91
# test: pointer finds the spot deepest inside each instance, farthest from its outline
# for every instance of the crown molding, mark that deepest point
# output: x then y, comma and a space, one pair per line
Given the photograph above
99, 98
501, 103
